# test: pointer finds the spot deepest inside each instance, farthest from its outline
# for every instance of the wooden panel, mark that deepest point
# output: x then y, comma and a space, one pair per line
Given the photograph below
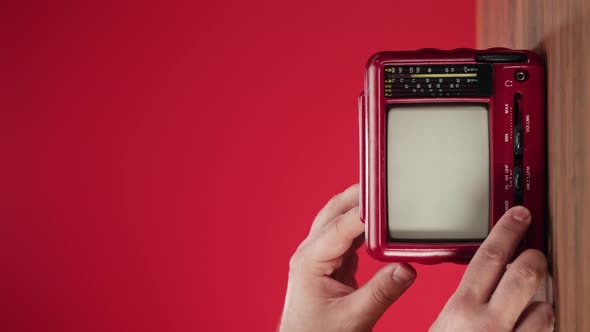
560, 32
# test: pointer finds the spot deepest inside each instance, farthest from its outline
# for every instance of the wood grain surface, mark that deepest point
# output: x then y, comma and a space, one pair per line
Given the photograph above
560, 32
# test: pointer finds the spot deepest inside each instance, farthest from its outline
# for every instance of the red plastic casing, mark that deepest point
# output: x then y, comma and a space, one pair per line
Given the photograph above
372, 111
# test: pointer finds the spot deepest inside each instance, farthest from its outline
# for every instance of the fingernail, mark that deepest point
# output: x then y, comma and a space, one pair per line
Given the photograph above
402, 275
520, 214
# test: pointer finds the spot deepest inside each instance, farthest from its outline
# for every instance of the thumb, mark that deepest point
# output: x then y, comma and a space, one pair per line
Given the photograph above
371, 300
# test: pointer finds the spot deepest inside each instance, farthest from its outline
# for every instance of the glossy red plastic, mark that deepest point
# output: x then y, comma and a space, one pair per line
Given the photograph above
372, 113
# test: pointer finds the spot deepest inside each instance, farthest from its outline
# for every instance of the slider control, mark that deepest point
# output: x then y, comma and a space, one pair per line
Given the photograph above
518, 140
518, 185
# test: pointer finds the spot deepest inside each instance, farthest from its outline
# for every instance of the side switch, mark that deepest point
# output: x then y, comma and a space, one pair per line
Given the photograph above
363, 147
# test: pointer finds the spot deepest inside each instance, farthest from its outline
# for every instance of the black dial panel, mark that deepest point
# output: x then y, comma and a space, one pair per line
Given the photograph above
437, 81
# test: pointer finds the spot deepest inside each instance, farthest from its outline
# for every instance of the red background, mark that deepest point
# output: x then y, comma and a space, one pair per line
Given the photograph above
163, 159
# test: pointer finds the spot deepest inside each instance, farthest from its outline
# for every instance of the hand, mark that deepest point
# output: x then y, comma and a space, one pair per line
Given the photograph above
494, 297
322, 293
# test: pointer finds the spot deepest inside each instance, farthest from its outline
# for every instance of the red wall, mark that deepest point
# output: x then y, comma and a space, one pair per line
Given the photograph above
163, 159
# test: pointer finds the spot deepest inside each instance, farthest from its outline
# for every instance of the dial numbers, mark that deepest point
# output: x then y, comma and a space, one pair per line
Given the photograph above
423, 81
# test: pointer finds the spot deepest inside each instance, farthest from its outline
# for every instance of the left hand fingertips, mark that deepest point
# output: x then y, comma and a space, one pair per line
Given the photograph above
333, 242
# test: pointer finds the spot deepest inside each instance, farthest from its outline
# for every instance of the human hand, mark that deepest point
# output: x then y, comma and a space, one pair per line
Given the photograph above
494, 297
322, 293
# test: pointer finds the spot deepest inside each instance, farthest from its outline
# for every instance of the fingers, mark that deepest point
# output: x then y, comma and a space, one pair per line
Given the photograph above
538, 317
488, 263
338, 205
326, 251
387, 285
518, 285
332, 234
345, 274
545, 291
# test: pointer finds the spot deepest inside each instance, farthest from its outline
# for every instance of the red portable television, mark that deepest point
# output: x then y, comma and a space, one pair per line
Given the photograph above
449, 141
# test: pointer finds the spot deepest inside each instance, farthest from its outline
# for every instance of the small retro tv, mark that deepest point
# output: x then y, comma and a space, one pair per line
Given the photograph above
449, 141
